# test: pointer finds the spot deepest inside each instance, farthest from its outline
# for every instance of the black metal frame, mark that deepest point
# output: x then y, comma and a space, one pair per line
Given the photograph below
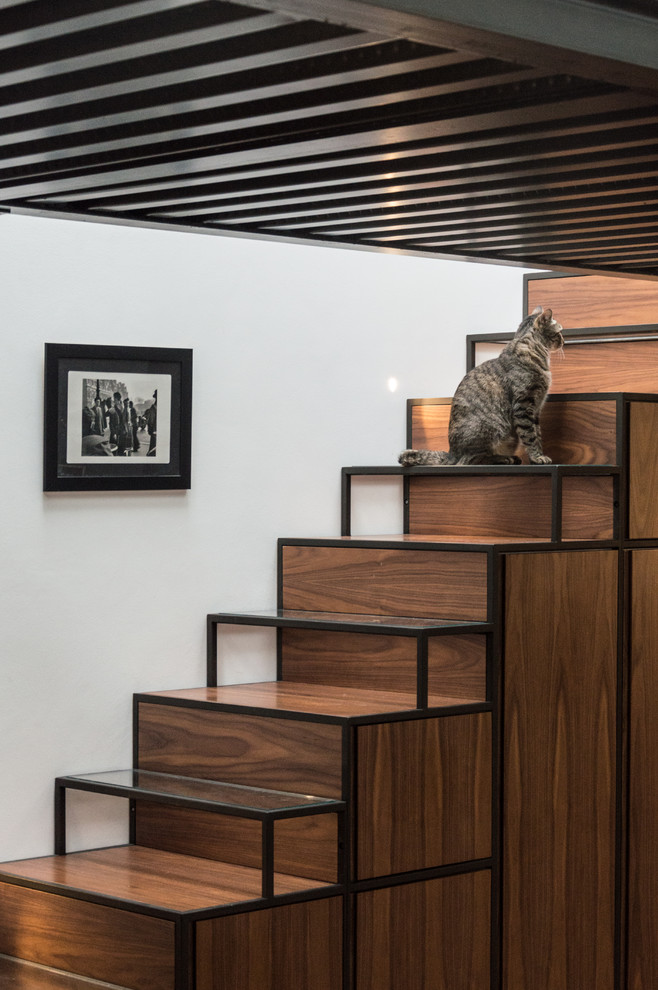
134, 793
556, 472
580, 335
112, 473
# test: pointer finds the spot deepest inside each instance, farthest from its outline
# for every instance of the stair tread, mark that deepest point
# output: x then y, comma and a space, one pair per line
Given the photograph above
291, 618
19, 974
311, 699
133, 782
150, 877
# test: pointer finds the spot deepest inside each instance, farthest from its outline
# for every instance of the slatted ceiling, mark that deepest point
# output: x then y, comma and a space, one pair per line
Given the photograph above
224, 117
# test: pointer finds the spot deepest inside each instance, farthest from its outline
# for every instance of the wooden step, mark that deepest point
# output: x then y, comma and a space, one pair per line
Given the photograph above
128, 915
586, 429
425, 773
430, 662
261, 810
18, 974
552, 502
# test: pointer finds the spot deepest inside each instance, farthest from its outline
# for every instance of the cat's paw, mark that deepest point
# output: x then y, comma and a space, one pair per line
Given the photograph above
408, 458
540, 459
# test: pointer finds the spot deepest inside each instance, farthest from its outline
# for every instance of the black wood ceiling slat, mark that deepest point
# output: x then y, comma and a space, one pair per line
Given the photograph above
223, 117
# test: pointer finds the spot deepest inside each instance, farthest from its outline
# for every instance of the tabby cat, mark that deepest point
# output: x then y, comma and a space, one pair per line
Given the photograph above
497, 403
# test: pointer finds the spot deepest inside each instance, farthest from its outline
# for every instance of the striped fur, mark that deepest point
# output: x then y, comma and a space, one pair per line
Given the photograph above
497, 404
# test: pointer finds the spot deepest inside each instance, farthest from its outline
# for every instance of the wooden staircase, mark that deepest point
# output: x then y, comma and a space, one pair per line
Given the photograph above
451, 785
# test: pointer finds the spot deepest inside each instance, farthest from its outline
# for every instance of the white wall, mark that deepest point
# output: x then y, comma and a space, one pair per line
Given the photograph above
102, 594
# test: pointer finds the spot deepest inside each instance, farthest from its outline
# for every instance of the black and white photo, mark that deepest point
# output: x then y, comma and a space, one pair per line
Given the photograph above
116, 418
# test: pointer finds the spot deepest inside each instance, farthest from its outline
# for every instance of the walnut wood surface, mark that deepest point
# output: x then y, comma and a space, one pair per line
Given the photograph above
596, 300
574, 432
499, 506
198, 833
643, 471
623, 366
151, 877
423, 793
99, 942
304, 847
439, 583
293, 696
559, 752
643, 775
357, 660
282, 754
580, 432
293, 947
429, 426
457, 666
430, 935
587, 508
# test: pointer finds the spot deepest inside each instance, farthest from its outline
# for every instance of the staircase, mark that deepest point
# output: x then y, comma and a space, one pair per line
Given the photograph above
451, 783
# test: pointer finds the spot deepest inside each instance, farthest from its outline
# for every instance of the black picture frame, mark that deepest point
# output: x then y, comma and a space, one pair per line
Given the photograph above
79, 458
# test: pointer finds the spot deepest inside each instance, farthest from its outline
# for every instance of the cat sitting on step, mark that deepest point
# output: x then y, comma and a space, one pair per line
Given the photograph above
497, 403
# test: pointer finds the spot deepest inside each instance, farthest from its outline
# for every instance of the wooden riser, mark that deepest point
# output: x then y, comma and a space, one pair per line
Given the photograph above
123, 914
456, 664
574, 431
384, 581
432, 776
508, 507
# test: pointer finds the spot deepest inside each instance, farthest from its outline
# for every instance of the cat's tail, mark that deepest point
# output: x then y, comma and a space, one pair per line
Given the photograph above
414, 458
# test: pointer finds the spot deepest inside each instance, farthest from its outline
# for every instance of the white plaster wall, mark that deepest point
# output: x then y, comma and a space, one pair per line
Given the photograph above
102, 595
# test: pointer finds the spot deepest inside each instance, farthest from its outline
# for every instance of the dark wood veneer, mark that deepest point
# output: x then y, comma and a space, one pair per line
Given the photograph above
559, 756
424, 794
294, 946
385, 582
90, 939
643, 775
429, 935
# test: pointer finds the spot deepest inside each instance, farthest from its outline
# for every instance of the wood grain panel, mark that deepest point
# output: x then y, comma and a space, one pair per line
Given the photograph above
643, 471
198, 833
358, 660
643, 775
559, 750
596, 300
580, 432
283, 754
574, 432
431, 935
154, 878
609, 366
457, 667
424, 583
295, 946
307, 847
99, 942
429, 426
475, 506
588, 508
424, 793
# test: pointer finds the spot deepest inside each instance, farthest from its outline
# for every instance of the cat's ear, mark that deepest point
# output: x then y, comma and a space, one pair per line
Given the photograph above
537, 311
544, 318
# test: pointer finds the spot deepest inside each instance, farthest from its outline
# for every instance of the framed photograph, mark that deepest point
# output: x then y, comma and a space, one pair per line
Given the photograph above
117, 418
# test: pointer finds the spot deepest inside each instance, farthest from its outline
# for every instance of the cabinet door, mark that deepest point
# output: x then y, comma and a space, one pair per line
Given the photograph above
643, 774
559, 793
